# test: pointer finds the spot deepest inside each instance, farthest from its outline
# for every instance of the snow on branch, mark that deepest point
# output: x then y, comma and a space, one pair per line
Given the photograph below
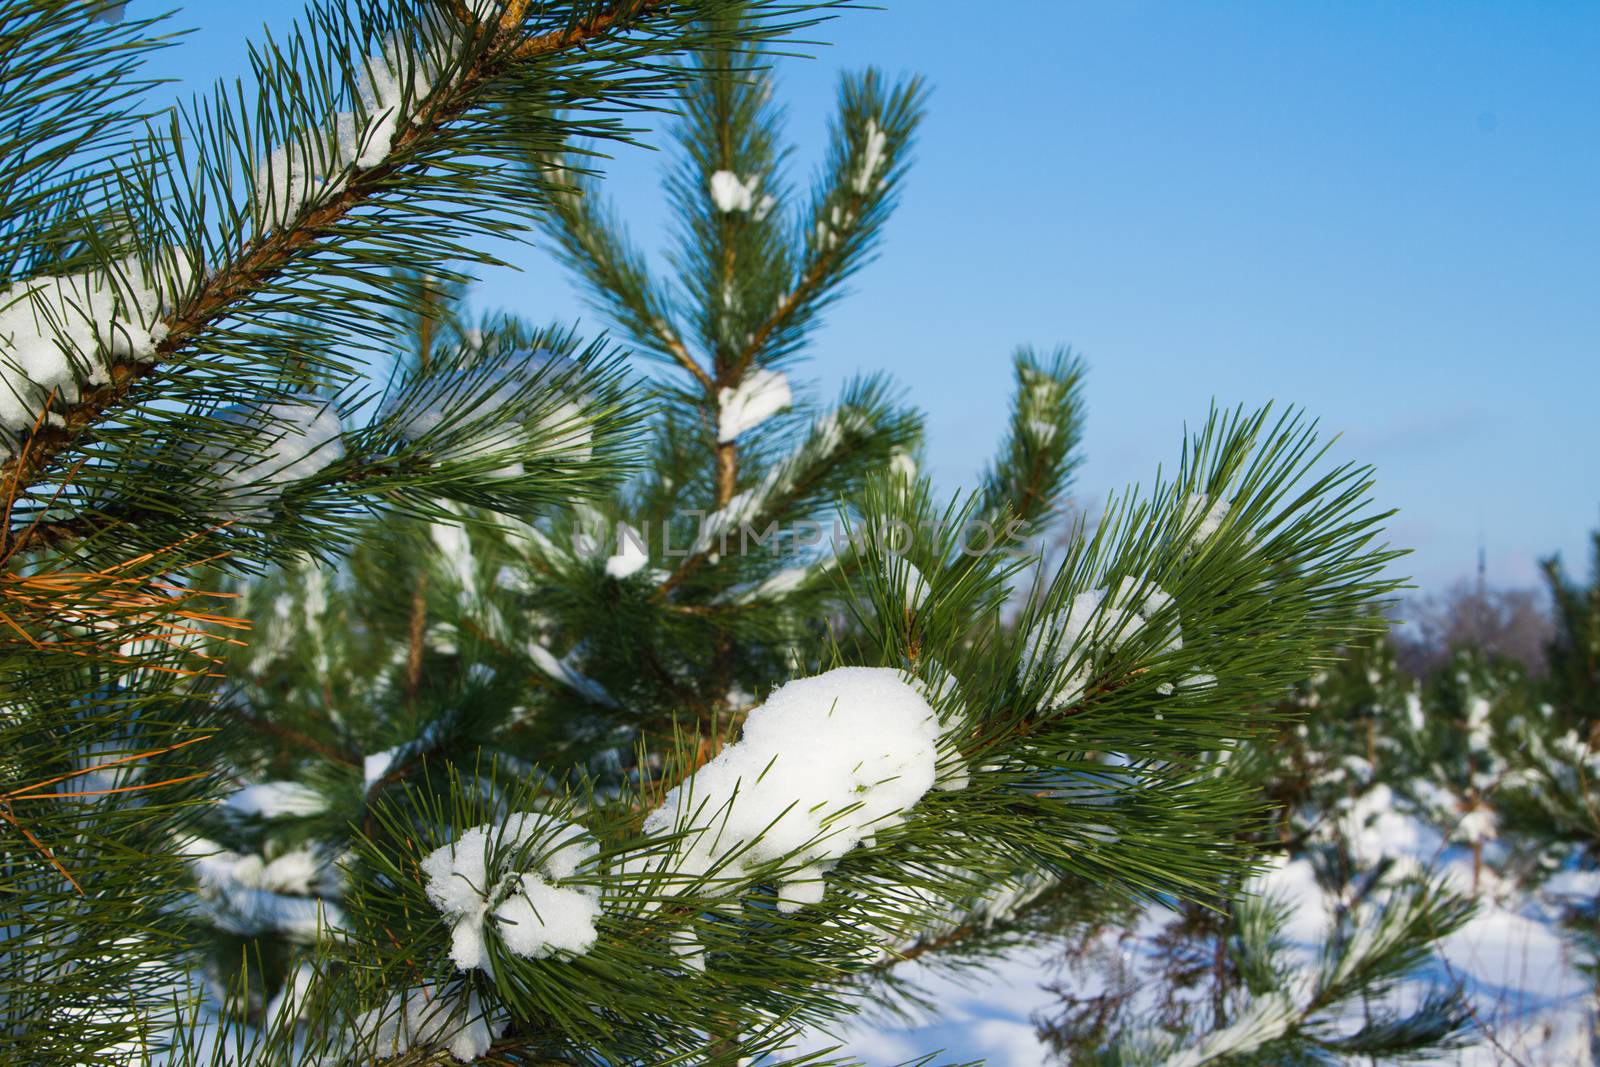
631, 556
276, 800
730, 194
456, 1018
309, 171
273, 445
499, 414
475, 882
762, 394
1060, 650
874, 143
562, 671
1204, 516
249, 894
824, 765
821, 448
61, 334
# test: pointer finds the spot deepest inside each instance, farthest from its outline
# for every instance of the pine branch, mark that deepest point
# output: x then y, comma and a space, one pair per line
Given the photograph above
259, 260
295, 739
869, 152
1033, 471
618, 280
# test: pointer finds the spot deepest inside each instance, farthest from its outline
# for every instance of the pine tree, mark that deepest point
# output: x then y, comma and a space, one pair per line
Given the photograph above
191, 302
1551, 794
565, 730
1323, 957
1471, 783
1236, 991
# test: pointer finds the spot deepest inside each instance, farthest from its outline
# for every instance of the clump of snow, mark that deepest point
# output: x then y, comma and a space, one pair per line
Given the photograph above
1478, 825
631, 556
292, 872
776, 586
872, 154
1137, 606
428, 1017
1414, 716
824, 765
458, 411
762, 394
375, 766
1059, 650
564, 671
906, 581
272, 800
109, 11
461, 563
825, 237
249, 894
1039, 407
730, 193
392, 81
1265, 1019
1479, 730
286, 183
805, 886
1040, 431
282, 442
291, 999
903, 466
60, 334
310, 170
1205, 516
687, 948
744, 507
474, 881
781, 583
1194, 681
1375, 827
828, 432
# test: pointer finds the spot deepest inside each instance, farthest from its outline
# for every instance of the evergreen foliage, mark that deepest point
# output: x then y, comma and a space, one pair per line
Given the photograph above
564, 730
1471, 783
190, 301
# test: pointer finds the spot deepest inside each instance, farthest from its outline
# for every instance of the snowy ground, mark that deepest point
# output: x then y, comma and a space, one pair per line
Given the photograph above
982, 1019
1533, 1006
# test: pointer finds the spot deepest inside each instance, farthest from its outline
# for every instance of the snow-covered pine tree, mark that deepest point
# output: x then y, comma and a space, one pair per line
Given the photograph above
1471, 782
190, 300
1549, 801
1330, 954
1237, 988
675, 773
1575, 651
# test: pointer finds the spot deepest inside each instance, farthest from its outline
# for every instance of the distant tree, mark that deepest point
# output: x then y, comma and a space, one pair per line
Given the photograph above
1574, 649
1512, 623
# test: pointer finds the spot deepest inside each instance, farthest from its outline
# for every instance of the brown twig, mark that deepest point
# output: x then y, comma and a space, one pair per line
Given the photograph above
419, 632
295, 738
680, 352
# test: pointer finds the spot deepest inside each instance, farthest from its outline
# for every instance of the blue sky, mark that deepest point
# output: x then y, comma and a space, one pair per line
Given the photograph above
1384, 212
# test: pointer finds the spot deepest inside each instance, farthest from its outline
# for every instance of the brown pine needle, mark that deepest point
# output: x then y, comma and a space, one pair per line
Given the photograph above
30, 792
5, 813
106, 792
106, 764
